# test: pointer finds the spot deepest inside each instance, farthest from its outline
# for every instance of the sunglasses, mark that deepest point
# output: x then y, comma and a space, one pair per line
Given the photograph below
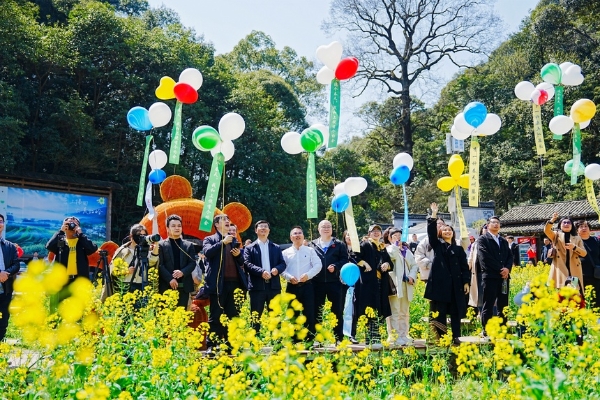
567, 223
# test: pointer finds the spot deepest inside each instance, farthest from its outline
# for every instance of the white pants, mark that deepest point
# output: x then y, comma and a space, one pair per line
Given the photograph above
400, 319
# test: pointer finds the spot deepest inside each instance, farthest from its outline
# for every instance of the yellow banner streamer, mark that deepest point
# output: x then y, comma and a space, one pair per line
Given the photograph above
464, 232
474, 173
591, 196
351, 225
538, 132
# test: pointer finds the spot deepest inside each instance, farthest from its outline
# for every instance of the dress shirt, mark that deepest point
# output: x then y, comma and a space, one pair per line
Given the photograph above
304, 260
2, 266
496, 239
264, 255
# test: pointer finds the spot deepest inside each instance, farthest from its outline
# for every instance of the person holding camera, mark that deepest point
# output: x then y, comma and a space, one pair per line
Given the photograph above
72, 247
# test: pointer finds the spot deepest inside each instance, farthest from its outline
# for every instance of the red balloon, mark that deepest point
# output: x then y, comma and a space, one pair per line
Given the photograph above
185, 93
19, 251
347, 68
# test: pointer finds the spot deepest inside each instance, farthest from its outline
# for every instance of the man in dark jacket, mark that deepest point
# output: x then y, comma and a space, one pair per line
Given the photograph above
514, 249
224, 275
333, 254
9, 267
264, 263
495, 259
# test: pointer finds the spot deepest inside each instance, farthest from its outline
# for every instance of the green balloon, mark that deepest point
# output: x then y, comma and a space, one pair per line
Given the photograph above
569, 167
205, 138
552, 73
311, 139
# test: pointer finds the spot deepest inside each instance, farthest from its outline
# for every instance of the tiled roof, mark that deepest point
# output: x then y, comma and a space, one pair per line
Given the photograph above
539, 213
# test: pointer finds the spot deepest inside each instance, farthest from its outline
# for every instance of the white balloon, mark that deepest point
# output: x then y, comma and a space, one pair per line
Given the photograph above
403, 159
355, 185
585, 124
524, 89
290, 142
572, 76
490, 126
564, 66
325, 76
324, 129
456, 134
560, 125
339, 188
192, 77
159, 114
231, 126
592, 172
226, 147
157, 159
330, 54
548, 87
462, 125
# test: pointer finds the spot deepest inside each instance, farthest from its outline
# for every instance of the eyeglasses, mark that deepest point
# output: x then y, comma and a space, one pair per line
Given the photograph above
1, 222
566, 222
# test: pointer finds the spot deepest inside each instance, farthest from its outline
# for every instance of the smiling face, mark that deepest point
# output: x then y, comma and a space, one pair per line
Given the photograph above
297, 237
375, 234
446, 233
262, 231
325, 229
395, 237
566, 225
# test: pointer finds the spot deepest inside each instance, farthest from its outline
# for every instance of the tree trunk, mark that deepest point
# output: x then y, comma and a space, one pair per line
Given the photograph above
406, 144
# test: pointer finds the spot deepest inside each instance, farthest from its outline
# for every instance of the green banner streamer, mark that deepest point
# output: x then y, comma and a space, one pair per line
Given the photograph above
311, 188
334, 113
576, 153
538, 131
405, 222
591, 196
473, 173
176, 136
351, 226
212, 192
464, 232
558, 106
140, 196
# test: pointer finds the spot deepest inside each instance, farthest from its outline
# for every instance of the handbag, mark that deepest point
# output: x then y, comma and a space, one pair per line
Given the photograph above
393, 289
551, 252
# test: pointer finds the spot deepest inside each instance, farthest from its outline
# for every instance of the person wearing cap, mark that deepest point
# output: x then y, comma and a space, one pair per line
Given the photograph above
373, 287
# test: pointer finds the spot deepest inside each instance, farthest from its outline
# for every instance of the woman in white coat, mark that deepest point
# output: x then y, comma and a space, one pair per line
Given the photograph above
403, 276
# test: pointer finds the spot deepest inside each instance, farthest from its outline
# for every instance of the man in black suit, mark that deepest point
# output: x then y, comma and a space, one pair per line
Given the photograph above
9, 267
264, 263
224, 275
495, 260
176, 262
514, 249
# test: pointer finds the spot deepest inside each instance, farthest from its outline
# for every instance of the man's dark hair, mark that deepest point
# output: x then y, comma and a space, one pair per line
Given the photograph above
219, 217
173, 217
137, 228
296, 227
2, 217
578, 224
494, 217
262, 221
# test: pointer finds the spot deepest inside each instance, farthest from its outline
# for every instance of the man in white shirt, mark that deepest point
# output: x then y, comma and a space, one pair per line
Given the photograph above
302, 265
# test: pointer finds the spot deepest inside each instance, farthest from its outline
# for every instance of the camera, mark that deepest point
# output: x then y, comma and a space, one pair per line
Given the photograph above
149, 239
71, 226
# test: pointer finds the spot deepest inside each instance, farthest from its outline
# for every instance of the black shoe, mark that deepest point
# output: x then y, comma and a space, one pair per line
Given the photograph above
456, 341
352, 340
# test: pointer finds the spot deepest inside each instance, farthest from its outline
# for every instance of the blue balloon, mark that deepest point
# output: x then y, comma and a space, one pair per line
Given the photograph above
350, 274
340, 202
157, 176
475, 113
139, 119
400, 175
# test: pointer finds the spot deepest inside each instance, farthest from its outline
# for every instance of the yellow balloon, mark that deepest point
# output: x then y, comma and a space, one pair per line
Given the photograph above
582, 110
463, 181
456, 166
165, 90
446, 184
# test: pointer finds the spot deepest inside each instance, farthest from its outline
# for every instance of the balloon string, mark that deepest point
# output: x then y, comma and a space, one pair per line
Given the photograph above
223, 198
542, 171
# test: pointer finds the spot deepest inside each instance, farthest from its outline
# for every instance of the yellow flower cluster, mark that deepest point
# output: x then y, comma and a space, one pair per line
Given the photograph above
119, 267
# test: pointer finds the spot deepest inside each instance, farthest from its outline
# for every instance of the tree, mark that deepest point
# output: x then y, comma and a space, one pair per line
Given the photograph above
398, 42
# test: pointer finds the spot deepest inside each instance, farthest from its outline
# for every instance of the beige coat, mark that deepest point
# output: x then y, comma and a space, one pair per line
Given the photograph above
410, 269
558, 270
473, 289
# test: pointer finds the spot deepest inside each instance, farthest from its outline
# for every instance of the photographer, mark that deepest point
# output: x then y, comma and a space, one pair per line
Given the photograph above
72, 247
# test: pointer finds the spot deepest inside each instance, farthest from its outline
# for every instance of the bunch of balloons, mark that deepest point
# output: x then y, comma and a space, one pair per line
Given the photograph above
335, 70
537, 96
157, 160
402, 165
342, 202
457, 179
142, 119
565, 74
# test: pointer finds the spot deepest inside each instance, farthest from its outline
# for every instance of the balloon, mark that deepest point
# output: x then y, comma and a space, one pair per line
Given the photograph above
475, 113
462, 125
539, 97
325, 76
569, 167
192, 77
456, 166
592, 172
159, 114
340, 202
560, 125
582, 110
355, 185
157, 176
458, 134
584, 124
19, 250
446, 183
400, 175
523, 90
403, 159
347, 68
311, 139
548, 87
572, 76
330, 54
463, 181
164, 91
231, 126
339, 188
491, 125
290, 142
185, 93
564, 66
350, 274
551, 73
205, 138
157, 159
138, 119
227, 148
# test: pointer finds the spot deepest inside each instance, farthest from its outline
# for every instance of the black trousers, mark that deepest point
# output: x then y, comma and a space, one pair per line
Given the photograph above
492, 294
305, 293
595, 282
4, 303
258, 300
223, 303
333, 292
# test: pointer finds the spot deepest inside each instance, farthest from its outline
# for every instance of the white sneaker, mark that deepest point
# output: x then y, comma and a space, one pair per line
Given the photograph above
406, 341
376, 346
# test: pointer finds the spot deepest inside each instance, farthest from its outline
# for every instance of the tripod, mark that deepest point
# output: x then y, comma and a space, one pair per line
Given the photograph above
106, 278
141, 256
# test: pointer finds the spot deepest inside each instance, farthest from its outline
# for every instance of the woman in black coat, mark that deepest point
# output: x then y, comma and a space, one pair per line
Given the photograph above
449, 277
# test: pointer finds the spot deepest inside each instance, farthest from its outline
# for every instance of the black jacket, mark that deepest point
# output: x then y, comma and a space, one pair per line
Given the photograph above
214, 250
491, 258
337, 254
11, 264
166, 265
514, 248
254, 268
84, 248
